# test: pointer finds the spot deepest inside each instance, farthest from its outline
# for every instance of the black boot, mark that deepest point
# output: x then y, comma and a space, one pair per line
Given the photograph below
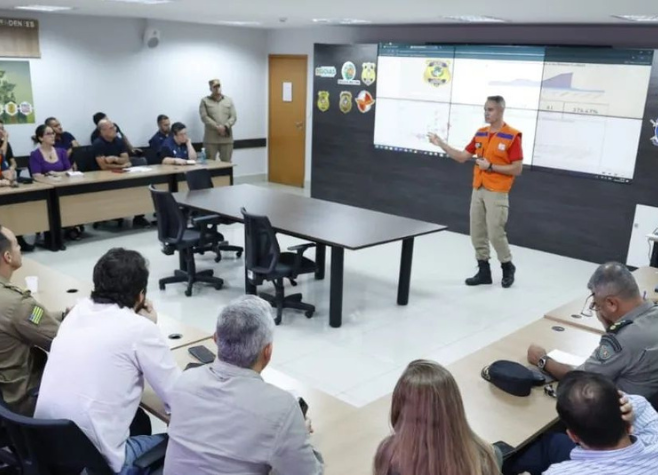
483, 276
508, 274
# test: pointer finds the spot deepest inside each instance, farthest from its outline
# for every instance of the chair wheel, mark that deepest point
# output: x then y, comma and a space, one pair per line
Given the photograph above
218, 258
277, 321
188, 292
202, 252
218, 286
162, 286
238, 254
95, 225
309, 313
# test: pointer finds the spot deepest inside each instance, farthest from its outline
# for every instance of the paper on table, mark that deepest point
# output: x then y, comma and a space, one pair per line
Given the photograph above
566, 358
72, 173
138, 169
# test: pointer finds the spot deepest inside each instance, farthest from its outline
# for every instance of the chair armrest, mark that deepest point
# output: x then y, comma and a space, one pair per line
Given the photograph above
154, 456
302, 247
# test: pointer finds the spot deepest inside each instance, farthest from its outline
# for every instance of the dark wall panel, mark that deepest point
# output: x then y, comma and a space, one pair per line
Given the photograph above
571, 216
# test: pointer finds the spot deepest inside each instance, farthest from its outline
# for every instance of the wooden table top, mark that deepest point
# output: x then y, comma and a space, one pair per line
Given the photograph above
35, 186
103, 176
577, 313
323, 408
315, 220
58, 291
493, 414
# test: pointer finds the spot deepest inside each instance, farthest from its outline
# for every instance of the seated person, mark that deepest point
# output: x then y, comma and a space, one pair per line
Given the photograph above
105, 350
430, 432
26, 329
588, 405
177, 149
628, 352
46, 159
63, 140
5, 147
108, 149
98, 116
226, 419
7, 175
161, 135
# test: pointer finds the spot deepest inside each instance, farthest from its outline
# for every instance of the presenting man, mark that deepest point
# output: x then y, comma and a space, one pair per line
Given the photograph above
499, 159
218, 115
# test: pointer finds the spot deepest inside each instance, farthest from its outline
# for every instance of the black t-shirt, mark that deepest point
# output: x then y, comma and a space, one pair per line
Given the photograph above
10, 152
103, 148
96, 134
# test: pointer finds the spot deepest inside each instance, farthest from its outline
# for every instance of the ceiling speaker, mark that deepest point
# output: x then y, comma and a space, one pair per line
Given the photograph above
151, 37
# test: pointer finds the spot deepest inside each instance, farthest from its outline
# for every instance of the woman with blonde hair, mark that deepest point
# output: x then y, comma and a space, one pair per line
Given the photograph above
431, 435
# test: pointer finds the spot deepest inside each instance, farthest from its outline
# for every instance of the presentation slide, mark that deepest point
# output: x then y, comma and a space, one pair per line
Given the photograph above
580, 110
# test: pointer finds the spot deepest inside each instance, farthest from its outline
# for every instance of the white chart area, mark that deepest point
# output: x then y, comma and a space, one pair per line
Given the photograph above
574, 116
405, 124
404, 78
465, 120
517, 81
588, 144
616, 90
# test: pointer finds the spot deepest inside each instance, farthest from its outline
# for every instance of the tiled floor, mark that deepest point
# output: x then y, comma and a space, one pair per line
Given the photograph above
361, 361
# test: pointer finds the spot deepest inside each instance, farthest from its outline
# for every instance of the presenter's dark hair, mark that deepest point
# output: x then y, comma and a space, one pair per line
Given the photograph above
162, 117
177, 127
500, 100
98, 116
588, 404
119, 277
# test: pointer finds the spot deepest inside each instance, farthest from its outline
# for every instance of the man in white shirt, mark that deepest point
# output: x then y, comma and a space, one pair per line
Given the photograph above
108, 345
226, 419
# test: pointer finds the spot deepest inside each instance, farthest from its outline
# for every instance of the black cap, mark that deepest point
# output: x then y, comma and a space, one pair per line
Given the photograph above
511, 377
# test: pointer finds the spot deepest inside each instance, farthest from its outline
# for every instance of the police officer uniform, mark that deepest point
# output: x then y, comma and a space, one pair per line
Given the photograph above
25, 326
214, 113
628, 352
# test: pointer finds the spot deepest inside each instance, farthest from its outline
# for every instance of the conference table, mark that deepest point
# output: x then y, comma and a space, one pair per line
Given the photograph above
58, 292
492, 413
107, 195
578, 314
26, 209
326, 223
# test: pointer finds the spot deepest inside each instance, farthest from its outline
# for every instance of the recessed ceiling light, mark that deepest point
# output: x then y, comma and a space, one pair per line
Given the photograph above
145, 2
238, 23
641, 18
321, 20
353, 21
474, 19
43, 8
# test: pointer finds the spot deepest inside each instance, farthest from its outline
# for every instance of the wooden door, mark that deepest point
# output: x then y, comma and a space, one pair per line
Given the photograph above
287, 119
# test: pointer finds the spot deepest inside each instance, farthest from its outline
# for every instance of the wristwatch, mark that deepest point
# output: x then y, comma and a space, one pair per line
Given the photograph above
490, 167
541, 364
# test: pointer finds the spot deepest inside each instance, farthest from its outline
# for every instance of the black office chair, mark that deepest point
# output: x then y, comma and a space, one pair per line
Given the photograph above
59, 447
174, 234
202, 180
266, 262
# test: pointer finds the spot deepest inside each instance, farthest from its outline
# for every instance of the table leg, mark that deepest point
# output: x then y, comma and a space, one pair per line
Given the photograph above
55, 238
320, 259
336, 287
405, 271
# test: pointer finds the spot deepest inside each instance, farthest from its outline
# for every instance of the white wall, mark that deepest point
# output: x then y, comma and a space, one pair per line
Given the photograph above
92, 64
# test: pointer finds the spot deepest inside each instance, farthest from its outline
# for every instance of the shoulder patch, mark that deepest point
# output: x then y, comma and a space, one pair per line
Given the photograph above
36, 315
617, 326
608, 347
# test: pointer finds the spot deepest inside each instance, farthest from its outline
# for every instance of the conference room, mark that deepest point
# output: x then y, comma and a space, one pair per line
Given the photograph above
351, 146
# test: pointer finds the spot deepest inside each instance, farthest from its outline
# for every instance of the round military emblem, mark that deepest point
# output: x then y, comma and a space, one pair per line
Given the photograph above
368, 73
437, 73
348, 71
345, 102
654, 139
323, 100
11, 108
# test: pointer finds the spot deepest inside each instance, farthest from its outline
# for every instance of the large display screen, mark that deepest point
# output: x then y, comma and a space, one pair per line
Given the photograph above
579, 109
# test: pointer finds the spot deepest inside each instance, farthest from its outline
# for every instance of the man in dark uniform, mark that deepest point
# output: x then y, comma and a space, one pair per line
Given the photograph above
26, 328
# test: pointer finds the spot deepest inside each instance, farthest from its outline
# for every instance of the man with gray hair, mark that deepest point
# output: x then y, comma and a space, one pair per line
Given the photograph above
226, 419
628, 351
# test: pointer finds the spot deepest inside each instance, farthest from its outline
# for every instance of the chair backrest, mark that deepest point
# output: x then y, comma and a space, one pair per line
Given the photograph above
199, 179
51, 447
171, 221
261, 246
82, 157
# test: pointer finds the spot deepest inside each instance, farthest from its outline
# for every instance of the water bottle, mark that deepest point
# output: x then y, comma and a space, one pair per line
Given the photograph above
202, 156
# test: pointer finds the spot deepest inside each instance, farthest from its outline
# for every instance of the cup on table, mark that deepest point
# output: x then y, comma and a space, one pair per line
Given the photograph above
32, 283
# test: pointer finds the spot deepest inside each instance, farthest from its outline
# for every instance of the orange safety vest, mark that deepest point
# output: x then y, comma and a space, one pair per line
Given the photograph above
494, 149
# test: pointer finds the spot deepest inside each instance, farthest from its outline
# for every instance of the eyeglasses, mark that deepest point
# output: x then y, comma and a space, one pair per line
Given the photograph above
49, 133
